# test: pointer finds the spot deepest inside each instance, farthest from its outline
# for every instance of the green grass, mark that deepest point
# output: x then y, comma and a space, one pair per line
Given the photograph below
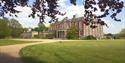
4, 42
104, 51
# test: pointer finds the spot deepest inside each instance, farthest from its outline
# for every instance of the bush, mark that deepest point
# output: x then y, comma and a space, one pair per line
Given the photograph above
72, 33
90, 37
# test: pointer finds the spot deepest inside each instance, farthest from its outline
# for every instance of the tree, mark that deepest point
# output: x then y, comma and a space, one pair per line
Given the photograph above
122, 33
72, 33
16, 28
90, 37
14, 23
11, 28
40, 29
5, 30
25, 29
40, 9
35, 29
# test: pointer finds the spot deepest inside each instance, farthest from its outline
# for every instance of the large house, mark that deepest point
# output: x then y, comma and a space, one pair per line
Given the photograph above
59, 29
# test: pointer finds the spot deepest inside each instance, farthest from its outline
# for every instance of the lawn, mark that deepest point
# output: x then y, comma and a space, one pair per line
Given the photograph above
4, 42
103, 51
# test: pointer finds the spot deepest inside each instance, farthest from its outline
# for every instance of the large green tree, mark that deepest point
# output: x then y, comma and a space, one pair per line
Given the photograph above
16, 28
14, 23
5, 30
40, 29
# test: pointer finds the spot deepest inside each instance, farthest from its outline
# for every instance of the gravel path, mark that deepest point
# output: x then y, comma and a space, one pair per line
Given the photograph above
10, 53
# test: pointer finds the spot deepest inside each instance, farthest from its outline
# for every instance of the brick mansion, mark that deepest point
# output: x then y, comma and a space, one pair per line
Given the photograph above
60, 28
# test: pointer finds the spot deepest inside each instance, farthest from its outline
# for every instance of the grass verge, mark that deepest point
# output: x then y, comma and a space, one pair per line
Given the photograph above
105, 51
4, 42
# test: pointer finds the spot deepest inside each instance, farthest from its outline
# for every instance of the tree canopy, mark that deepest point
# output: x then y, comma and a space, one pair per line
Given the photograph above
42, 8
122, 33
5, 30
16, 28
41, 28
10, 28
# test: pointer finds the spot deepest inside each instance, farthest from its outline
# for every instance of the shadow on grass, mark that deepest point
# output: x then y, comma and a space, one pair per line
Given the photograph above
5, 58
32, 60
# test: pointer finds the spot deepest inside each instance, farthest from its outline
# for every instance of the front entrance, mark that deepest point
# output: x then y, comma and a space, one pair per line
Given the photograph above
61, 34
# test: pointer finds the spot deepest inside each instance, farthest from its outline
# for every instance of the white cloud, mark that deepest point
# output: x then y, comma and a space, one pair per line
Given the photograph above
75, 10
23, 17
70, 10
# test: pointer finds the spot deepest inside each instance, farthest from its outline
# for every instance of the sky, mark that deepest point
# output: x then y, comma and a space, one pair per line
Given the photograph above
65, 6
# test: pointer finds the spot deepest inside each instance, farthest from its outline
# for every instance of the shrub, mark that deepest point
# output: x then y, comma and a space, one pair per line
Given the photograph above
90, 37
72, 33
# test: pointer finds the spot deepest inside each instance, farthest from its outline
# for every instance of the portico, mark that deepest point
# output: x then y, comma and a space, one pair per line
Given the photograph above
61, 34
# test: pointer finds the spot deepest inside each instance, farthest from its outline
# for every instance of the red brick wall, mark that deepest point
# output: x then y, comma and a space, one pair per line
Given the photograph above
84, 30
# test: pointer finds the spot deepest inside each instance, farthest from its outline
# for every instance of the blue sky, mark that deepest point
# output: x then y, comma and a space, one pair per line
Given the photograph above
65, 6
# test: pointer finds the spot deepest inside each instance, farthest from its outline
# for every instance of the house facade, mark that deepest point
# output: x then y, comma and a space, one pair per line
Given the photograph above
59, 29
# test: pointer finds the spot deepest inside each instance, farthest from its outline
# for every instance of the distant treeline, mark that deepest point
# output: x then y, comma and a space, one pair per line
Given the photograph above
10, 28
